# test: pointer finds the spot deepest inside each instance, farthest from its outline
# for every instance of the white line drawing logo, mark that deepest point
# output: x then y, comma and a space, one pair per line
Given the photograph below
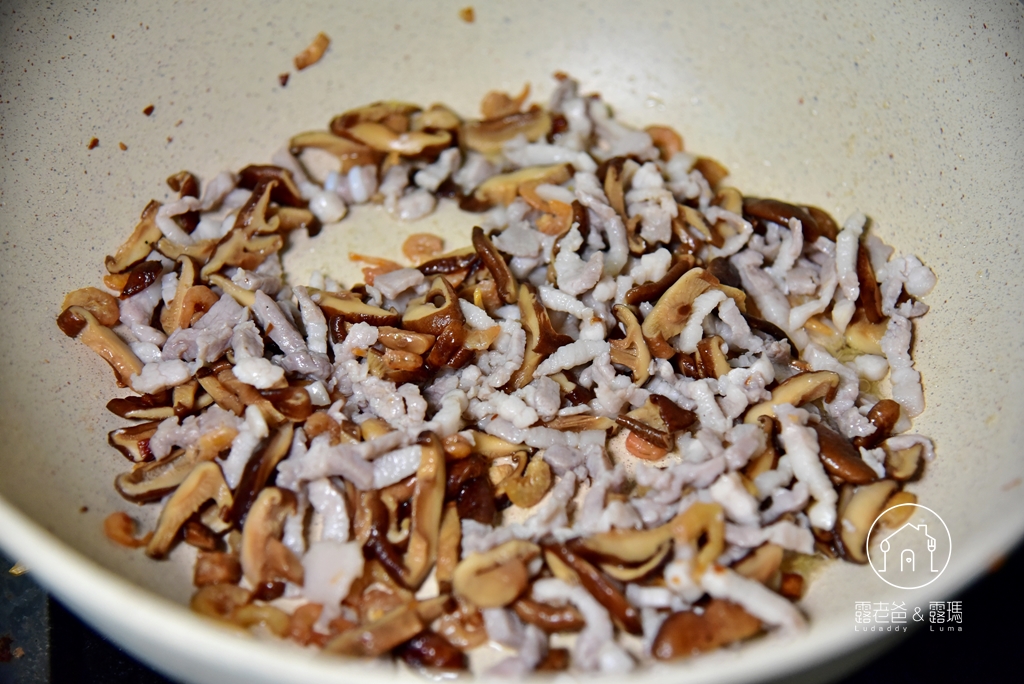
914, 554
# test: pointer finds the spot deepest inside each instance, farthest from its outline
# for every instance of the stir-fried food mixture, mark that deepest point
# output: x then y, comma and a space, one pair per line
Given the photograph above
618, 423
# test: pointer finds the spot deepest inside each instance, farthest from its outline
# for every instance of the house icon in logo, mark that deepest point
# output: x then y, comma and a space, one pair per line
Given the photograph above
905, 539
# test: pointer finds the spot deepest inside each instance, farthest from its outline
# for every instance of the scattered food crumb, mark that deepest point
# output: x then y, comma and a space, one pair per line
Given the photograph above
312, 54
178, 122
169, 140
17, 570
93, 143
467, 14
18, 652
283, 79
148, 110
83, 509
122, 146
1015, 482
5, 648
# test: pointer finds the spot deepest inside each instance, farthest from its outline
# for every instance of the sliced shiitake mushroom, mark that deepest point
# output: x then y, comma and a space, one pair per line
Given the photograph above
435, 311
711, 360
490, 135
451, 262
427, 507
797, 390
864, 336
252, 217
97, 302
238, 249
712, 171
690, 632
283, 191
550, 619
756, 210
139, 244
870, 298
348, 152
264, 558
392, 113
631, 351
654, 289
701, 522
133, 441
541, 337
508, 288
884, 416
600, 586
857, 516
528, 483
762, 563
669, 316
216, 567
503, 188
769, 457
379, 636
494, 578
904, 464
258, 470
379, 137
79, 323
840, 458
349, 308
205, 482
430, 651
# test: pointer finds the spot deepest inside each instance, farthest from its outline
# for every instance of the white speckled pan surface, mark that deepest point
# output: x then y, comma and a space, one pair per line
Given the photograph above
911, 113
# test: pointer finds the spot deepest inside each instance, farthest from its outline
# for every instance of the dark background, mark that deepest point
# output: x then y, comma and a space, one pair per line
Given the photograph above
60, 649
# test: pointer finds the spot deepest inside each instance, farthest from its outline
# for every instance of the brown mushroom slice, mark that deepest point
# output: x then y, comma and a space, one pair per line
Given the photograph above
449, 538
77, 322
97, 302
436, 311
883, 415
258, 470
348, 152
670, 314
200, 250
711, 359
144, 407
840, 458
767, 459
762, 563
391, 113
541, 338
381, 138
688, 632
450, 262
797, 390
701, 521
430, 652
490, 135
133, 441
494, 447
171, 314
714, 172
264, 559
628, 546
897, 511
283, 191
858, 515
870, 298
272, 619
527, 486
139, 244
550, 619
351, 309
600, 586
495, 578
503, 188
436, 116
666, 139
205, 482
120, 529
904, 464
660, 439
579, 423
380, 636
508, 288
632, 573
631, 351
654, 289
252, 217
293, 403
152, 480
780, 212
242, 251
427, 507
